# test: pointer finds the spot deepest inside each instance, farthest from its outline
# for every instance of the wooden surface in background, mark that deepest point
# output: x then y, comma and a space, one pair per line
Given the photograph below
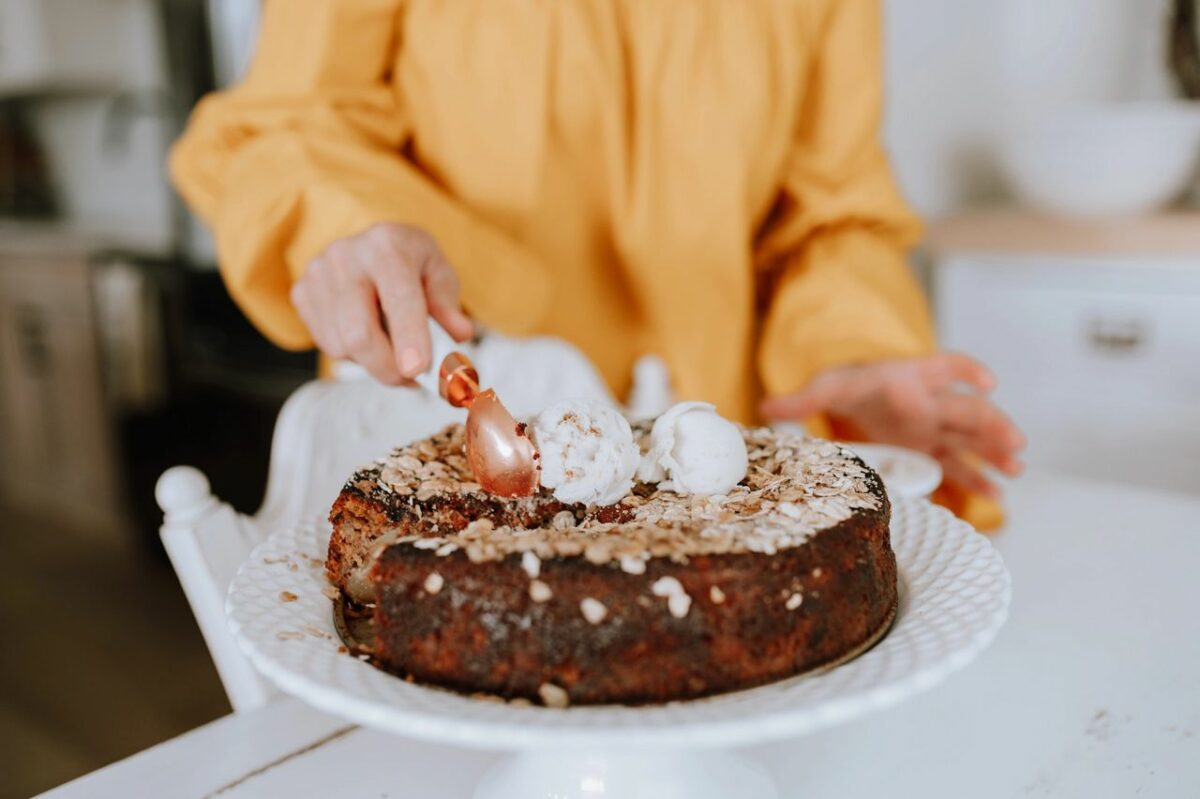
101, 655
1171, 233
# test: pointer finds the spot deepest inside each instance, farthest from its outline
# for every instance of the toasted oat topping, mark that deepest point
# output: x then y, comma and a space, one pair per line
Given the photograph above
795, 488
632, 564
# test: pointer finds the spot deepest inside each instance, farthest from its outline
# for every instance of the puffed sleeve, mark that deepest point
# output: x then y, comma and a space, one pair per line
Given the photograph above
833, 246
310, 148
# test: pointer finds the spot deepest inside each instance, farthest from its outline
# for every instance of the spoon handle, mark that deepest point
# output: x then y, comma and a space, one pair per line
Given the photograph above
442, 345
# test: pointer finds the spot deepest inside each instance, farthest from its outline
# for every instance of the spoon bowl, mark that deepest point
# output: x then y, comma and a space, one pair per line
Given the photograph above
499, 452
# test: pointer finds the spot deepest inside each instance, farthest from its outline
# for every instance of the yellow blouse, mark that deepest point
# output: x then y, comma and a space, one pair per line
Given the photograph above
699, 179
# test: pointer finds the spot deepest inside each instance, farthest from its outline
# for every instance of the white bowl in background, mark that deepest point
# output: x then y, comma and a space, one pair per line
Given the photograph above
1103, 160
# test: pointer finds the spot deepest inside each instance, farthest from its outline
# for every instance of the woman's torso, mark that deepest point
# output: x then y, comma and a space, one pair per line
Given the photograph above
635, 147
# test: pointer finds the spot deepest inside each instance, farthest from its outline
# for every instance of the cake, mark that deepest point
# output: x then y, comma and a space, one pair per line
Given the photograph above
656, 598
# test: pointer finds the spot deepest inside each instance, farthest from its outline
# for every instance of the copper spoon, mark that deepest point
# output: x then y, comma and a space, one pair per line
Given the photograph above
499, 452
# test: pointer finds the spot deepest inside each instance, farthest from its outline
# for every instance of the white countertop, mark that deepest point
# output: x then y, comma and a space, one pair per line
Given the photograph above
1091, 690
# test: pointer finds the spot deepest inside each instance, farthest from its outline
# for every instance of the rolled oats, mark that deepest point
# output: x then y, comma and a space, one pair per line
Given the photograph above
632, 564
795, 487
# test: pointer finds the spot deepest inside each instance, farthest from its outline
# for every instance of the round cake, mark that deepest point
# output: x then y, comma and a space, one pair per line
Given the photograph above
658, 597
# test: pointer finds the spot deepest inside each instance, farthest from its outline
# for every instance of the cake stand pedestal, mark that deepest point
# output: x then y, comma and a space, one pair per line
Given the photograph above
954, 595
629, 774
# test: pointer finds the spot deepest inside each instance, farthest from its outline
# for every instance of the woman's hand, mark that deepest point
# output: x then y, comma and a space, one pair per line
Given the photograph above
368, 297
921, 404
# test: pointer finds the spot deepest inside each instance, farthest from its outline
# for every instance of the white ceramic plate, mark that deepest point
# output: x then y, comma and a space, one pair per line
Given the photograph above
954, 596
906, 473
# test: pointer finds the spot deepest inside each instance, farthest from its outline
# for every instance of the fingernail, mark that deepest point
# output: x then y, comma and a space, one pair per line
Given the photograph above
410, 362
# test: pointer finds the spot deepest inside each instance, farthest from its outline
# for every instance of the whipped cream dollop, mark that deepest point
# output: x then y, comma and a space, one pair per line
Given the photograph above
587, 451
696, 449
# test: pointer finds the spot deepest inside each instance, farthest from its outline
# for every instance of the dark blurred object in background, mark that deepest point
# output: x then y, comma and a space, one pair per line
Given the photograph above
1183, 48
121, 354
227, 384
115, 367
25, 191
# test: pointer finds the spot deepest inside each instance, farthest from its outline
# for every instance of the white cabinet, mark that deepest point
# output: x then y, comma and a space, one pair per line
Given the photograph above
1097, 352
62, 45
57, 452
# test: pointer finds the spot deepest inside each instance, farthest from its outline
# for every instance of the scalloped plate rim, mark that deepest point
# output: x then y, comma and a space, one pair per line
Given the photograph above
714, 721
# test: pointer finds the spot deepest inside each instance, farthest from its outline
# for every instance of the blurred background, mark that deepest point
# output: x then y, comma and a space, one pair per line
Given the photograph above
1049, 144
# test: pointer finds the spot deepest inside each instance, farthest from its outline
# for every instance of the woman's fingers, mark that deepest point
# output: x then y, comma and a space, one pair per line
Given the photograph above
976, 416
362, 333
441, 295
396, 273
895, 389
828, 390
313, 300
947, 368
913, 403
817, 397
961, 472
972, 424
1002, 458
369, 297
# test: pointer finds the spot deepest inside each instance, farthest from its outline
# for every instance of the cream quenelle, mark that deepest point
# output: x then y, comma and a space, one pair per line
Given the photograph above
696, 449
587, 453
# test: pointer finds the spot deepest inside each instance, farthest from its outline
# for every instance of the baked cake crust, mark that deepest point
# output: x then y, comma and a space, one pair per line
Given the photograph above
658, 598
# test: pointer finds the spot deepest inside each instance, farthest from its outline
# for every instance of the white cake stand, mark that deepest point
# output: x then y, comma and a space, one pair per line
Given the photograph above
954, 594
